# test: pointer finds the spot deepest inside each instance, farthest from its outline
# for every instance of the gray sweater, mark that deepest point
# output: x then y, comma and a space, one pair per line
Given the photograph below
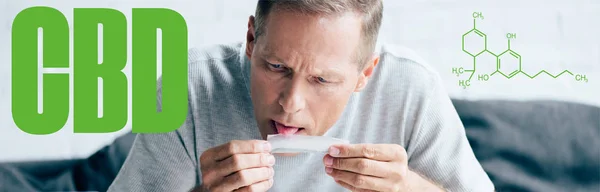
404, 103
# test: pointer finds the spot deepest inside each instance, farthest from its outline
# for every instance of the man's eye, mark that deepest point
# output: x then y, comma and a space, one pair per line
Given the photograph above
322, 80
276, 67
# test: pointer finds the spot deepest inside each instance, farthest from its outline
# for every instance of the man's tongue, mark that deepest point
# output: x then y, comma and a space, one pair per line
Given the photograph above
281, 129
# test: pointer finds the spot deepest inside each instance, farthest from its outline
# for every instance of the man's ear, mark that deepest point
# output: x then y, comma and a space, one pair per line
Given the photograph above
250, 37
366, 73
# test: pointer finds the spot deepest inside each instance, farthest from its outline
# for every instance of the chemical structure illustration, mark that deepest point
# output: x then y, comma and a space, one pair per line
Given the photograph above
508, 62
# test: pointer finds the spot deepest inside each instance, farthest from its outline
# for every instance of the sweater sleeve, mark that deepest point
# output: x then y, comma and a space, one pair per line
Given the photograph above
438, 148
160, 162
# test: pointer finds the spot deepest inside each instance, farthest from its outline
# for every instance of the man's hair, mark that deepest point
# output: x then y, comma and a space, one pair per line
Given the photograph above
370, 11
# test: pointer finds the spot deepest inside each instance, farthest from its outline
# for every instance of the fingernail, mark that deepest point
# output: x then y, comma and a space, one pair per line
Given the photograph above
334, 151
328, 161
271, 172
271, 160
266, 147
328, 169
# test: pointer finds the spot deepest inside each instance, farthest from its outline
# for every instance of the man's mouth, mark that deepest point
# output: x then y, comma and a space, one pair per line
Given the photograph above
285, 130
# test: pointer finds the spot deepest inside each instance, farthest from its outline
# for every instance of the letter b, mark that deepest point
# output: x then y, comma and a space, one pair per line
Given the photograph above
87, 71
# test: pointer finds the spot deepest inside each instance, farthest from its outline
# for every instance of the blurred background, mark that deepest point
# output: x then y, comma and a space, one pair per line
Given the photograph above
552, 35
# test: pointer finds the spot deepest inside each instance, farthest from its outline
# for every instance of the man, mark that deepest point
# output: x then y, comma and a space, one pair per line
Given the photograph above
308, 67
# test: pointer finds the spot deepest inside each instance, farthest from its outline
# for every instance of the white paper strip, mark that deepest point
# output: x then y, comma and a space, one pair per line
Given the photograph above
302, 143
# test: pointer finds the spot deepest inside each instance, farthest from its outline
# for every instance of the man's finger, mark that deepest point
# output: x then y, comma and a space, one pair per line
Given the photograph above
360, 165
347, 186
351, 188
260, 186
380, 152
224, 151
245, 178
357, 181
239, 162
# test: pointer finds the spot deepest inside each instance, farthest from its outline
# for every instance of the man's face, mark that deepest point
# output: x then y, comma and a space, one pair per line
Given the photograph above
303, 72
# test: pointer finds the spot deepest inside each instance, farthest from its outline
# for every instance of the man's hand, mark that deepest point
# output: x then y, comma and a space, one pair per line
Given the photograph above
373, 167
238, 166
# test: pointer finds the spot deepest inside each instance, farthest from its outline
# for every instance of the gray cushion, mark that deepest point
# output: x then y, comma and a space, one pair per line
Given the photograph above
94, 173
535, 145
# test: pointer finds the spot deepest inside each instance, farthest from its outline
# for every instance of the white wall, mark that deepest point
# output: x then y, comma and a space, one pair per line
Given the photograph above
552, 35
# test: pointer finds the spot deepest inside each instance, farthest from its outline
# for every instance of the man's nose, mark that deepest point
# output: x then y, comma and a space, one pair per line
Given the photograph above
292, 99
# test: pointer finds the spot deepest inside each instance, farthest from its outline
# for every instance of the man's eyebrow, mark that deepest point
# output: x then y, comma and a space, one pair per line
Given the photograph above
269, 55
332, 73
272, 57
